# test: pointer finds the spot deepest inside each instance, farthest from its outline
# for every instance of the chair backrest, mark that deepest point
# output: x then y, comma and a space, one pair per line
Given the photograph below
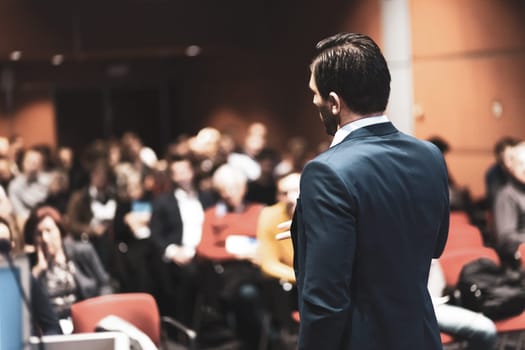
463, 236
453, 262
140, 309
446, 339
459, 217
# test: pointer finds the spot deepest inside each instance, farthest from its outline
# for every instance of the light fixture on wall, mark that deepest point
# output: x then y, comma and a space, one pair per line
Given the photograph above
15, 55
496, 109
193, 50
57, 60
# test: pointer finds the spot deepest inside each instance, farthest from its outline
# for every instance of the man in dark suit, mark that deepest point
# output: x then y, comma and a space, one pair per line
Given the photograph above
176, 227
372, 213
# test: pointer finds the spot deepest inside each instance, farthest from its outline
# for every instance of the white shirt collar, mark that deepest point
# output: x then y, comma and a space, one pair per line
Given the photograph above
346, 129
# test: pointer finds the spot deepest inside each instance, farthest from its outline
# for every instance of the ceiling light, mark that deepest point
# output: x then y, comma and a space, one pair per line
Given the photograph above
193, 50
57, 60
15, 55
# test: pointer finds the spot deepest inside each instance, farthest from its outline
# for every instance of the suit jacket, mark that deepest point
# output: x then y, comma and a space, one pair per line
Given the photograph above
372, 213
92, 280
166, 222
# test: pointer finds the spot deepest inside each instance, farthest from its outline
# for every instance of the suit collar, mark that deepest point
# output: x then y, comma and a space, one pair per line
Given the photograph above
372, 130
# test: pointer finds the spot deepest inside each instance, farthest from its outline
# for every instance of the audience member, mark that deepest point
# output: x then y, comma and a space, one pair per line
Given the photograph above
139, 267
29, 188
91, 211
205, 148
246, 159
228, 234
58, 191
16, 152
294, 157
461, 323
276, 256
176, 228
263, 190
6, 174
69, 270
498, 174
45, 318
459, 196
68, 163
509, 206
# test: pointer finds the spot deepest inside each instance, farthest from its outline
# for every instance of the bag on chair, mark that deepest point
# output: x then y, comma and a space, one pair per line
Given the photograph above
487, 288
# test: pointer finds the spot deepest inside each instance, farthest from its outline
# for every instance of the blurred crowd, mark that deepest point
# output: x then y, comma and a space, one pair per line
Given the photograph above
195, 227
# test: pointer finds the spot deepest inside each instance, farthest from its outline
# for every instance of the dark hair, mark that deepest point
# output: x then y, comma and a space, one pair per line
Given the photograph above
440, 143
503, 143
352, 66
36, 216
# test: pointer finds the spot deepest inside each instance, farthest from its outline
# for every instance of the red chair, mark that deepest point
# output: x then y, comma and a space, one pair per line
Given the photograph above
453, 262
521, 251
463, 236
139, 309
459, 217
506, 328
446, 339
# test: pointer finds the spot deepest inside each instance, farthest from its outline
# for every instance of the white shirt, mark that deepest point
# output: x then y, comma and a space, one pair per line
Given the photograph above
101, 211
192, 216
346, 129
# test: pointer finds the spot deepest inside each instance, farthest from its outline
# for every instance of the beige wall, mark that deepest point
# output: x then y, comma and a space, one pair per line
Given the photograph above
468, 54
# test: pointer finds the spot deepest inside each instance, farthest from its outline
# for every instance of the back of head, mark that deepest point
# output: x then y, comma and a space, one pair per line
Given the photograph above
502, 145
352, 66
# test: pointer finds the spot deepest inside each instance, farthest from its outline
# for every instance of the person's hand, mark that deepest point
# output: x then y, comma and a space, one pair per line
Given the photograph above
181, 259
41, 263
99, 229
137, 220
180, 256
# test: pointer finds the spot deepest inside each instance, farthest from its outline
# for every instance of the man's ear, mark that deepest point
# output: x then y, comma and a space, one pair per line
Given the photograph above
334, 103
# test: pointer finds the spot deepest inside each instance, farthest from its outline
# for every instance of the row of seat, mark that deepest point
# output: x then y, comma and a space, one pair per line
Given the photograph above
465, 244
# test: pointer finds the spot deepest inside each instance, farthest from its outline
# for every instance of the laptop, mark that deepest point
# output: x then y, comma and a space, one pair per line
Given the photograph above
83, 341
15, 324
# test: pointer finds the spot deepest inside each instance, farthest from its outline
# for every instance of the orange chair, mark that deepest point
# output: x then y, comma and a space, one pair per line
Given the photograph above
453, 262
459, 217
446, 339
140, 309
463, 236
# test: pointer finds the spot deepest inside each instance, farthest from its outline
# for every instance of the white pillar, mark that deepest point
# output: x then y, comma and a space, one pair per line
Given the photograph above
395, 21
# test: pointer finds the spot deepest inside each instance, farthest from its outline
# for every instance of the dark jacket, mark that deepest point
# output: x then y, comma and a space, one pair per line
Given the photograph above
373, 212
166, 222
92, 280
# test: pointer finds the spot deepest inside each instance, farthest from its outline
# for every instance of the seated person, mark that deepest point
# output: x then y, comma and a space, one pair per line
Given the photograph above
69, 270
176, 228
276, 256
45, 318
498, 174
509, 207
229, 229
477, 329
